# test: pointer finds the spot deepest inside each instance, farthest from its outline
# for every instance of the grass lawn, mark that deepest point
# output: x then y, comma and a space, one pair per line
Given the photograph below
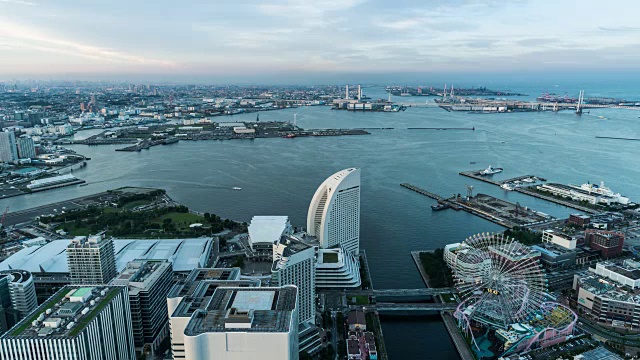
74, 231
359, 299
181, 220
135, 203
329, 257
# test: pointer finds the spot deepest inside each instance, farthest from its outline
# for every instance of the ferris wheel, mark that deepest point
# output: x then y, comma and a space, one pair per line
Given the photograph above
500, 281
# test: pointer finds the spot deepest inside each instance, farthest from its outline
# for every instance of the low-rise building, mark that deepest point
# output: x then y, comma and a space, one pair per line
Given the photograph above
620, 274
558, 238
264, 231
579, 220
607, 301
555, 256
336, 268
609, 243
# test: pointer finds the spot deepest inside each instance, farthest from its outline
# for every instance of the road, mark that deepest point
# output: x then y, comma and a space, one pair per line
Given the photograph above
588, 326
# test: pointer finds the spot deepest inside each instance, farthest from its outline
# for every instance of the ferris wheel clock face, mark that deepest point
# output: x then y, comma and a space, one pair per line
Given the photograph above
499, 280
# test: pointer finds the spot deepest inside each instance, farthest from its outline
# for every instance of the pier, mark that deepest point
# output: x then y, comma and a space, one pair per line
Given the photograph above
489, 208
526, 190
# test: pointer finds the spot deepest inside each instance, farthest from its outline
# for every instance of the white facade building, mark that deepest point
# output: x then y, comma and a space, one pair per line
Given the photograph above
294, 264
245, 324
336, 268
620, 274
559, 239
91, 260
8, 148
79, 323
334, 213
265, 230
191, 294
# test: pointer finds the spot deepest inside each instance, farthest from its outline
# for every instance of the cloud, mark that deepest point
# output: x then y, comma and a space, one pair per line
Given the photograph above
620, 29
32, 39
18, 2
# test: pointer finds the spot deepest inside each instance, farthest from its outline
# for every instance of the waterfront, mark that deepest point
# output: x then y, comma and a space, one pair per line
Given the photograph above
279, 176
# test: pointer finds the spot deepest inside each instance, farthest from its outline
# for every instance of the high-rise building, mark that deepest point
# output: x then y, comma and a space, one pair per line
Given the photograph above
75, 323
294, 264
245, 324
334, 213
8, 148
26, 147
149, 282
17, 297
91, 260
609, 243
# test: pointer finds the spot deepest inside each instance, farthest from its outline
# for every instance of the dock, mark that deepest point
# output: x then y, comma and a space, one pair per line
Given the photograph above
526, 190
489, 208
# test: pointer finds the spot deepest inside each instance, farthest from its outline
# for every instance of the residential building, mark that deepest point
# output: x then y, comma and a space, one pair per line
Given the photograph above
337, 268
91, 260
334, 213
558, 238
265, 230
75, 323
26, 147
609, 243
17, 297
294, 264
245, 323
149, 282
8, 148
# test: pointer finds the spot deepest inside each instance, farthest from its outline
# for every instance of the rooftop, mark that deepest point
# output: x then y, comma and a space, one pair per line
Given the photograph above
272, 311
184, 254
66, 313
141, 274
188, 286
606, 288
267, 229
202, 292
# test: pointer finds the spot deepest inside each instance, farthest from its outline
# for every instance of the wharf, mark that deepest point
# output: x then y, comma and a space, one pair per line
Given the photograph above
489, 208
476, 175
556, 200
525, 190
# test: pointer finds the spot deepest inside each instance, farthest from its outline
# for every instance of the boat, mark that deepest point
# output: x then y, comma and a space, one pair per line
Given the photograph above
84, 184
439, 207
289, 136
507, 186
602, 190
236, 188
170, 140
490, 171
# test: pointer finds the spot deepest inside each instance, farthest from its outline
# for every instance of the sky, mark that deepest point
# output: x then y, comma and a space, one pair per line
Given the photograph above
313, 39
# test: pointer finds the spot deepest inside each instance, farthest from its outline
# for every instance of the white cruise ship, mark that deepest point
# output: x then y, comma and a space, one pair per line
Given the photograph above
603, 190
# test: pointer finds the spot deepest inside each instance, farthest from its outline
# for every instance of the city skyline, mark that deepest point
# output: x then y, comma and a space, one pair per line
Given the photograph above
306, 39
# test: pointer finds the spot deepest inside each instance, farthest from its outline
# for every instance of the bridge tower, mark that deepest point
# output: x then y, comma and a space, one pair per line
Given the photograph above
580, 101
444, 93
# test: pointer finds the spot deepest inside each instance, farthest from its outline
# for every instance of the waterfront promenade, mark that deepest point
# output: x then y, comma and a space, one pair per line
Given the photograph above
449, 322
